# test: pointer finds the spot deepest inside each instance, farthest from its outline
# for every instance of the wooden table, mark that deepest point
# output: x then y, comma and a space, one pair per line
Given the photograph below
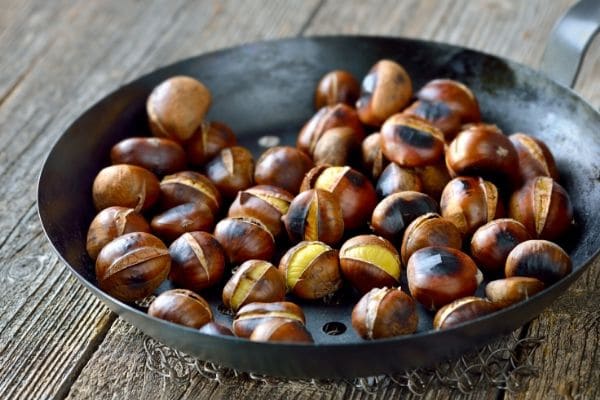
59, 57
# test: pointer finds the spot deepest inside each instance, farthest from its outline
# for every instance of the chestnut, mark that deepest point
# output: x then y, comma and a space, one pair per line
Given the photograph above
159, 155
395, 178
535, 159
492, 242
438, 114
505, 292
253, 281
251, 315
434, 179
369, 261
311, 270
183, 307
385, 312
132, 266
411, 141
215, 329
470, 202
395, 212
245, 239
263, 202
207, 141
111, 223
282, 166
231, 170
544, 207
462, 310
352, 189
337, 146
373, 160
315, 215
176, 221
455, 95
126, 186
281, 330
538, 259
197, 261
189, 187
385, 90
177, 106
336, 86
429, 230
439, 275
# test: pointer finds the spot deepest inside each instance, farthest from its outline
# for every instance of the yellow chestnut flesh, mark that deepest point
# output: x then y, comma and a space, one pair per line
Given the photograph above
255, 280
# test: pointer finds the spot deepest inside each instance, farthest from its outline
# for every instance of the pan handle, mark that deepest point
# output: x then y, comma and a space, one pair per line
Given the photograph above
569, 40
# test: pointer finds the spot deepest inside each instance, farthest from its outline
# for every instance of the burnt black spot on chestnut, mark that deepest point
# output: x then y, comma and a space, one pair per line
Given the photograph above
536, 265
414, 137
356, 178
296, 219
440, 260
399, 78
506, 240
433, 110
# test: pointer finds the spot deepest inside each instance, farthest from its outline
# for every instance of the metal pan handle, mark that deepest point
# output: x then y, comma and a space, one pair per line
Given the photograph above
569, 40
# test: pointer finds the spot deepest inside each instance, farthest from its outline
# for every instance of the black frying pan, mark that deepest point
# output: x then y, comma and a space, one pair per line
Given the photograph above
266, 89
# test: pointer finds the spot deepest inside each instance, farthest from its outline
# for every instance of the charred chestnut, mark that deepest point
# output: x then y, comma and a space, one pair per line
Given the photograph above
395, 179
231, 170
462, 310
176, 221
373, 160
282, 166
455, 95
505, 292
251, 315
535, 159
189, 187
159, 155
336, 86
491, 243
207, 141
126, 186
281, 330
438, 114
183, 307
538, 259
245, 239
253, 281
429, 230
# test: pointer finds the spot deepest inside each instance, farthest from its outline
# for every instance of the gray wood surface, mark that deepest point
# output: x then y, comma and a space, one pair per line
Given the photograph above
59, 57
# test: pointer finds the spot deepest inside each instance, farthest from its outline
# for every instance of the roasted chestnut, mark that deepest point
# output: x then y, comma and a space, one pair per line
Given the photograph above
535, 159
411, 141
177, 106
189, 187
455, 95
111, 223
439, 275
183, 307
492, 242
281, 330
385, 90
159, 155
231, 170
176, 221
505, 292
245, 239
544, 207
395, 178
215, 329
282, 166
315, 215
126, 186
251, 315
429, 230
538, 259
434, 179
369, 261
197, 261
373, 160
337, 146
207, 141
336, 86
470, 202
132, 266
385, 312
254, 281
462, 310
311, 270
438, 114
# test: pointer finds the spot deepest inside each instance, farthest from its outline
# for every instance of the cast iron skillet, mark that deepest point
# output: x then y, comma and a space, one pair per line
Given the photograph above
266, 89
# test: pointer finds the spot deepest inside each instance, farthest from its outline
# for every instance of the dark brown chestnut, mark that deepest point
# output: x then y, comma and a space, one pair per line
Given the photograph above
132, 266
337, 146
281, 330
373, 160
282, 166
505, 292
245, 239
197, 261
189, 187
208, 140
429, 230
126, 186
183, 307
176, 221
395, 178
231, 170
337, 86
455, 95
159, 155
462, 310
535, 158
438, 114
538, 259
215, 329
251, 315
434, 179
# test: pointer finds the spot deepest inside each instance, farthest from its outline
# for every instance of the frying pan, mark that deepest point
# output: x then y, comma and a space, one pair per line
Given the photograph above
266, 89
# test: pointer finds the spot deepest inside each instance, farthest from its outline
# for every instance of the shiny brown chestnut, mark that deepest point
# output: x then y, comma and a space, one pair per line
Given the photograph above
337, 146
337, 86
207, 141
126, 186
245, 239
132, 266
159, 155
311, 270
395, 178
535, 158
281, 330
455, 95
492, 242
438, 114
544, 207
385, 312
505, 292
215, 329
538, 259
411, 141
282, 166
369, 261
197, 261
315, 215
111, 223
434, 179
231, 170
176, 221
429, 230
253, 281
266, 203
373, 160
177, 106
352, 189
470, 202
385, 90
183, 307
251, 315
189, 187
395, 212
462, 310
439, 275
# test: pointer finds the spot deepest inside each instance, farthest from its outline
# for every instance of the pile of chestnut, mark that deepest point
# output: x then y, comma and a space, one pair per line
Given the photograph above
381, 181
